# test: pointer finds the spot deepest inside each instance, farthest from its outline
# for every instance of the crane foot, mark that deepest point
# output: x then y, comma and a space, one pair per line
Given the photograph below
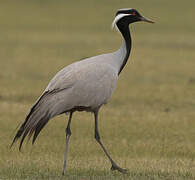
115, 167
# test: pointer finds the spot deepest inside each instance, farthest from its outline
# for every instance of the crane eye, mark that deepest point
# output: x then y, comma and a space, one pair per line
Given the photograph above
133, 13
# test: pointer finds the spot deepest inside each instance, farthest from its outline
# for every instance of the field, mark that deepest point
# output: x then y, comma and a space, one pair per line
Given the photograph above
149, 124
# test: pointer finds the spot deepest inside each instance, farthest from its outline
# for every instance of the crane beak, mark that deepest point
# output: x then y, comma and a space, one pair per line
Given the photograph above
146, 20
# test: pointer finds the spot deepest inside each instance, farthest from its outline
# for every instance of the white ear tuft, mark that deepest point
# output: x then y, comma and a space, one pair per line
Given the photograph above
116, 19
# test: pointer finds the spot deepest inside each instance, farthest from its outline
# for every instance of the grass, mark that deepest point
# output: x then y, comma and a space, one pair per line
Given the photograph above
148, 126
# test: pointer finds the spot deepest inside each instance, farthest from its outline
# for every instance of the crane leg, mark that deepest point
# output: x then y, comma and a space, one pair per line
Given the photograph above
68, 134
97, 137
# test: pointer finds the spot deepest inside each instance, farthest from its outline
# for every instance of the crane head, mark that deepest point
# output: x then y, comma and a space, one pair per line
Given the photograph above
126, 16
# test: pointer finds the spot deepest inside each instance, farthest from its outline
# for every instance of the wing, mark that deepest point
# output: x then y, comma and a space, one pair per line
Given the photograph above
72, 73
63, 79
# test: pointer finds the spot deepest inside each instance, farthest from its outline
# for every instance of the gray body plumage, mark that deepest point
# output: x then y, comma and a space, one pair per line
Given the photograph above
87, 83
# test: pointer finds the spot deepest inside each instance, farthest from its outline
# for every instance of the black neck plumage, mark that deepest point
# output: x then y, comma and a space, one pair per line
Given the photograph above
124, 29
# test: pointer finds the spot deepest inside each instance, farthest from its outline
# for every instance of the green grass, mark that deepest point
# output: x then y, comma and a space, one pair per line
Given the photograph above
148, 126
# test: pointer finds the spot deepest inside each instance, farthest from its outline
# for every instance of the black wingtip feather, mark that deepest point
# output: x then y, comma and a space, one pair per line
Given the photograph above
37, 131
40, 126
18, 135
22, 140
31, 125
22, 127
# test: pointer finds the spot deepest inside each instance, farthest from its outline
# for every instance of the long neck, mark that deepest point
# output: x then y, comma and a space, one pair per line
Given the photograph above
126, 46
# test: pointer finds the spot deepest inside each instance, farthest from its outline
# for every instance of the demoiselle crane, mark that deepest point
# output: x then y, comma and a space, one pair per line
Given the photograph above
82, 86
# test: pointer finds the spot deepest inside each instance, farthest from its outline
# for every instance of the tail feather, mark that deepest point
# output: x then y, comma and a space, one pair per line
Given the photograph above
38, 129
23, 137
18, 134
22, 127
34, 122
